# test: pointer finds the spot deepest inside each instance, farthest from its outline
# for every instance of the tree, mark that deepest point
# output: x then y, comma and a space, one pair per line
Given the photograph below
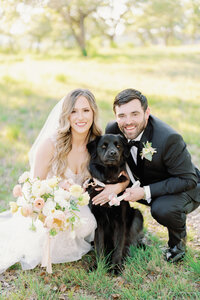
38, 28
75, 14
9, 17
111, 17
193, 18
159, 19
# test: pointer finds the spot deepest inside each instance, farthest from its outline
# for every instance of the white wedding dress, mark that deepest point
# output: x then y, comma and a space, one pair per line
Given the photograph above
19, 244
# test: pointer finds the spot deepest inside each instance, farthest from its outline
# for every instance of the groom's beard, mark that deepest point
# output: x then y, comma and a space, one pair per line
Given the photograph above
133, 134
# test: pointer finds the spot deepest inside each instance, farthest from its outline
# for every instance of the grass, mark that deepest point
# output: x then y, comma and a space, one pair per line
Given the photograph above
30, 85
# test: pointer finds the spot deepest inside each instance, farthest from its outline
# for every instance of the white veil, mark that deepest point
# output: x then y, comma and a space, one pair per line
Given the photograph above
47, 130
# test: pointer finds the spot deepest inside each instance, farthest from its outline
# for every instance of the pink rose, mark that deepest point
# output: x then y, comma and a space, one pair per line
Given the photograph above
17, 190
39, 203
66, 184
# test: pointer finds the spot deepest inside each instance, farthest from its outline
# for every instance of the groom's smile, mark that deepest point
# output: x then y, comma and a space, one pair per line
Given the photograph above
131, 118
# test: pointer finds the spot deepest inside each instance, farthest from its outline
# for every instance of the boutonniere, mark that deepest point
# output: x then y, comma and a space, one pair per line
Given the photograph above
148, 151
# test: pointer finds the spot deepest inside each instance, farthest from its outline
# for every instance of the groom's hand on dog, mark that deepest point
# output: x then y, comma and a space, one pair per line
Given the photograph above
134, 194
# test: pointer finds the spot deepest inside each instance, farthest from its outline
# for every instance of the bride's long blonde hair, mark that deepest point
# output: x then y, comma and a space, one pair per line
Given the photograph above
63, 138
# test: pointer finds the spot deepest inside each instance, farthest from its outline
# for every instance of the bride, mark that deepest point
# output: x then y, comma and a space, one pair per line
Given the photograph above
60, 150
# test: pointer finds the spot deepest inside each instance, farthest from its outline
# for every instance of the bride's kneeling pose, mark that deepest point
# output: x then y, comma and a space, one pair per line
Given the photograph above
59, 150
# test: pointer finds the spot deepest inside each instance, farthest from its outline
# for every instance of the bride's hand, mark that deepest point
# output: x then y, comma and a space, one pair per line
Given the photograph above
103, 197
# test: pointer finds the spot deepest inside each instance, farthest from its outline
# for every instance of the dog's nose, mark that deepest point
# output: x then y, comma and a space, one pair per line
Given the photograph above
113, 152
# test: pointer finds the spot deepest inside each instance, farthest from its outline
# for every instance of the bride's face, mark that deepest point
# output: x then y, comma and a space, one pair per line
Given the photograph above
81, 117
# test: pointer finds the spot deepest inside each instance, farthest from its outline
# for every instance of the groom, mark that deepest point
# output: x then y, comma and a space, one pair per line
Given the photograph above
170, 183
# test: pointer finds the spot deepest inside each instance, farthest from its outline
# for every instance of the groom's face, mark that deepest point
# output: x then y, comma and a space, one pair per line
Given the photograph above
131, 118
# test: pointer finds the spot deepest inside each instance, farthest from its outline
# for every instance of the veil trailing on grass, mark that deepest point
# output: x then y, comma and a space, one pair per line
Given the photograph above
47, 130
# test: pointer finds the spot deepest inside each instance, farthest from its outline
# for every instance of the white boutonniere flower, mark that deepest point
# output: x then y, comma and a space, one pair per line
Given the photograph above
148, 151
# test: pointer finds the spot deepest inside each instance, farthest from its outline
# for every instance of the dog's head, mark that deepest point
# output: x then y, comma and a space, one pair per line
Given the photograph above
110, 149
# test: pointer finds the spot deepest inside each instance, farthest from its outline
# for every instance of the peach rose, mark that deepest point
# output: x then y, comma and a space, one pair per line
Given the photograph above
26, 210
39, 203
17, 190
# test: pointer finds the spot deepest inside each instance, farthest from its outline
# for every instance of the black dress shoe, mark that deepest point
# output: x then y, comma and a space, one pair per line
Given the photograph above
176, 253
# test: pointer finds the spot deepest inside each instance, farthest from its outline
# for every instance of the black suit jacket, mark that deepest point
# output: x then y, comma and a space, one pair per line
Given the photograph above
171, 170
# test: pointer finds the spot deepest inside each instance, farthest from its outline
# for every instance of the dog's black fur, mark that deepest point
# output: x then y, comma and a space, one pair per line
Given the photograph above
118, 227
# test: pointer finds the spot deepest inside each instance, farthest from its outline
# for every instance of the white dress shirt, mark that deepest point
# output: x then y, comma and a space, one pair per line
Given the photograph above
134, 151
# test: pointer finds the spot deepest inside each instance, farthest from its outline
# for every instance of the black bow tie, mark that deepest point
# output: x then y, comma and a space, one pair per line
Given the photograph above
134, 143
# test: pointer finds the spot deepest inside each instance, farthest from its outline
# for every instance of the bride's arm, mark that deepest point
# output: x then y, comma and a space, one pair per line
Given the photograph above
109, 189
43, 157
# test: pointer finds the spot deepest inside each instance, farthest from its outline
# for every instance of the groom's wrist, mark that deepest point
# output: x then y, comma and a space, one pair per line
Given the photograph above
147, 193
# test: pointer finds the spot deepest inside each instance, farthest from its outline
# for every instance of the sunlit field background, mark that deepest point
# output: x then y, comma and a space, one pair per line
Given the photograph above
31, 84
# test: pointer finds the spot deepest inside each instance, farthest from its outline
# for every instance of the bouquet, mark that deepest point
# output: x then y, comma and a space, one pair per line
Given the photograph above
46, 200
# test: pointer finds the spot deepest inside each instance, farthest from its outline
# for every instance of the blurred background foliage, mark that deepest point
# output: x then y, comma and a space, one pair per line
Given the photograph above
43, 25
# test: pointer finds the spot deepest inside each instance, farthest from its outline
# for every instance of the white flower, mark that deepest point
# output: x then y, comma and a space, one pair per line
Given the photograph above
13, 207
49, 207
21, 201
60, 193
40, 188
58, 214
52, 182
76, 190
24, 177
49, 222
148, 151
62, 197
84, 199
26, 191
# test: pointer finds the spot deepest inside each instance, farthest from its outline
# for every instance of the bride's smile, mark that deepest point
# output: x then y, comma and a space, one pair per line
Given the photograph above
81, 117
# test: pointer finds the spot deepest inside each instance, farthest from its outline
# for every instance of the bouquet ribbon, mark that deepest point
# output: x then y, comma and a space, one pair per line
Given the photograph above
46, 257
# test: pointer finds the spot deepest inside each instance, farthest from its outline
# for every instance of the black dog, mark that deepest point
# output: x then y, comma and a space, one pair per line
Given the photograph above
118, 227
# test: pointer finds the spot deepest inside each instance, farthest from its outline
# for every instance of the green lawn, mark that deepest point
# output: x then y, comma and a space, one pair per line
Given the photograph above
30, 85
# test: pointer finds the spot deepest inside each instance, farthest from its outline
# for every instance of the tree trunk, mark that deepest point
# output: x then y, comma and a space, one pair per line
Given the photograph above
82, 36
79, 37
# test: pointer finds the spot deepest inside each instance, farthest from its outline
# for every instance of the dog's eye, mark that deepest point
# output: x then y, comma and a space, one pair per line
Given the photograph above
103, 146
117, 145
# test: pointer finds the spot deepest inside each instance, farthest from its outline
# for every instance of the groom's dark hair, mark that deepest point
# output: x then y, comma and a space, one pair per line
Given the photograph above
128, 95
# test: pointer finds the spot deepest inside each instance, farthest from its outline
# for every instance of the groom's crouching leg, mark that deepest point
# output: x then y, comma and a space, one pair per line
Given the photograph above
170, 211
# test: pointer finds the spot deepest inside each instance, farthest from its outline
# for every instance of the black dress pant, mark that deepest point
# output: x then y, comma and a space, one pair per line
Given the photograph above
170, 211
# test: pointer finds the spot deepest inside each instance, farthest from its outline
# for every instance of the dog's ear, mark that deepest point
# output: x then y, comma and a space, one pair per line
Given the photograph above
92, 147
125, 145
